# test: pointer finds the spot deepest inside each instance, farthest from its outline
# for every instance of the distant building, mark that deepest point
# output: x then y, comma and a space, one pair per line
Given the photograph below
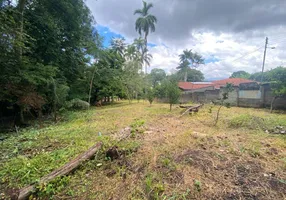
190, 87
246, 93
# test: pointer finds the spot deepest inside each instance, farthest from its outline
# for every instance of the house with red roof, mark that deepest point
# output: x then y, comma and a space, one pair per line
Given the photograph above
189, 87
246, 93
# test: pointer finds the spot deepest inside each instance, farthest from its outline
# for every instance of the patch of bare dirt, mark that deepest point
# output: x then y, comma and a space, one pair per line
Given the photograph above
230, 177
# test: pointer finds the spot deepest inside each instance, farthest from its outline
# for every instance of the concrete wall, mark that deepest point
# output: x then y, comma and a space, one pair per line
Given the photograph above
246, 96
232, 96
199, 90
249, 94
211, 95
280, 103
248, 102
185, 98
250, 98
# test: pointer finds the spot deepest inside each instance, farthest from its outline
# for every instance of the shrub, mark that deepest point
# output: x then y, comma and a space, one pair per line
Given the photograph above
254, 122
78, 104
150, 95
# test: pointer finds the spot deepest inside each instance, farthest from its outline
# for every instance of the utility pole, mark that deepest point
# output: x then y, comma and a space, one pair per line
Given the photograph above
266, 42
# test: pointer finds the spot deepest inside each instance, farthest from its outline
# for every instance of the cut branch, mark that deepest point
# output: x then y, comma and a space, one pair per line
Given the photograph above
25, 192
190, 109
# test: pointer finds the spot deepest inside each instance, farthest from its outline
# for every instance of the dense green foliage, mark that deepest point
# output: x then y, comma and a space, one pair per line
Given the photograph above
45, 50
52, 58
189, 59
169, 90
150, 94
193, 75
240, 74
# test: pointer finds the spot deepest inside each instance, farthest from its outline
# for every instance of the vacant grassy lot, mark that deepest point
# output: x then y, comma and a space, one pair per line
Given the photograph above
164, 157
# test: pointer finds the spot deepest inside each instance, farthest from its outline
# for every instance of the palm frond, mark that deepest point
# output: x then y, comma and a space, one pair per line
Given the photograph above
149, 5
138, 11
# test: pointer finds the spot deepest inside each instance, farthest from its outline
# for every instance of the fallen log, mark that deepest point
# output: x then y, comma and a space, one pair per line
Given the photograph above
191, 109
25, 192
181, 106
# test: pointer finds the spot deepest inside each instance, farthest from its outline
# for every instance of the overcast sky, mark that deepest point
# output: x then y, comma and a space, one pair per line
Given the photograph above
220, 30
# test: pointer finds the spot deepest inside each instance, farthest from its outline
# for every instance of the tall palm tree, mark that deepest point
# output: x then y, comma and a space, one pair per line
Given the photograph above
118, 45
146, 58
139, 43
189, 59
145, 23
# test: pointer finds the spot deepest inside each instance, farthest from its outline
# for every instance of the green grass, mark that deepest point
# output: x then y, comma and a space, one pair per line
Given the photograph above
149, 167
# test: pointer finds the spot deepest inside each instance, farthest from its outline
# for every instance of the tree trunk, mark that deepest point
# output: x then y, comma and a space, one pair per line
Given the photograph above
90, 86
40, 116
217, 115
22, 119
25, 192
186, 76
146, 51
171, 107
272, 103
55, 111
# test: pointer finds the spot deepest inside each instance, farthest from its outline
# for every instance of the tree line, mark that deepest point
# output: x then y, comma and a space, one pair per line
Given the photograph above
53, 58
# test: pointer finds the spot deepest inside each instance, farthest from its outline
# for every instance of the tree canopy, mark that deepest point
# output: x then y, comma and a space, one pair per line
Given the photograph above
240, 74
189, 59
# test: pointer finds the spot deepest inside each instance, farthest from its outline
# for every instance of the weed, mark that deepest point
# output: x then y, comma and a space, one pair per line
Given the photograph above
166, 162
198, 185
220, 156
254, 151
137, 123
182, 196
242, 149
51, 188
154, 188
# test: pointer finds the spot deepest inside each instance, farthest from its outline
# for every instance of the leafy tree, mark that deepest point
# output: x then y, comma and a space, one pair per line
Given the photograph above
189, 59
131, 53
150, 95
42, 41
193, 75
277, 78
171, 91
131, 79
240, 74
156, 76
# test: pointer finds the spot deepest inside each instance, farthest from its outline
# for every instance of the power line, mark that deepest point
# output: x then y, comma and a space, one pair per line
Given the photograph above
246, 54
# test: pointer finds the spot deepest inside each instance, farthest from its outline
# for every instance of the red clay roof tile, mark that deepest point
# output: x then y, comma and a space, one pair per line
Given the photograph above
216, 84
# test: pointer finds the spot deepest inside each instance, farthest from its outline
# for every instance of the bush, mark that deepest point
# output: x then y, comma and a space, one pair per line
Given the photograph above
247, 121
150, 95
255, 123
78, 104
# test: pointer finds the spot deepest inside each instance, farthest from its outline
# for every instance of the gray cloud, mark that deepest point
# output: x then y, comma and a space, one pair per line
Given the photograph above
224, 29
178, 18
